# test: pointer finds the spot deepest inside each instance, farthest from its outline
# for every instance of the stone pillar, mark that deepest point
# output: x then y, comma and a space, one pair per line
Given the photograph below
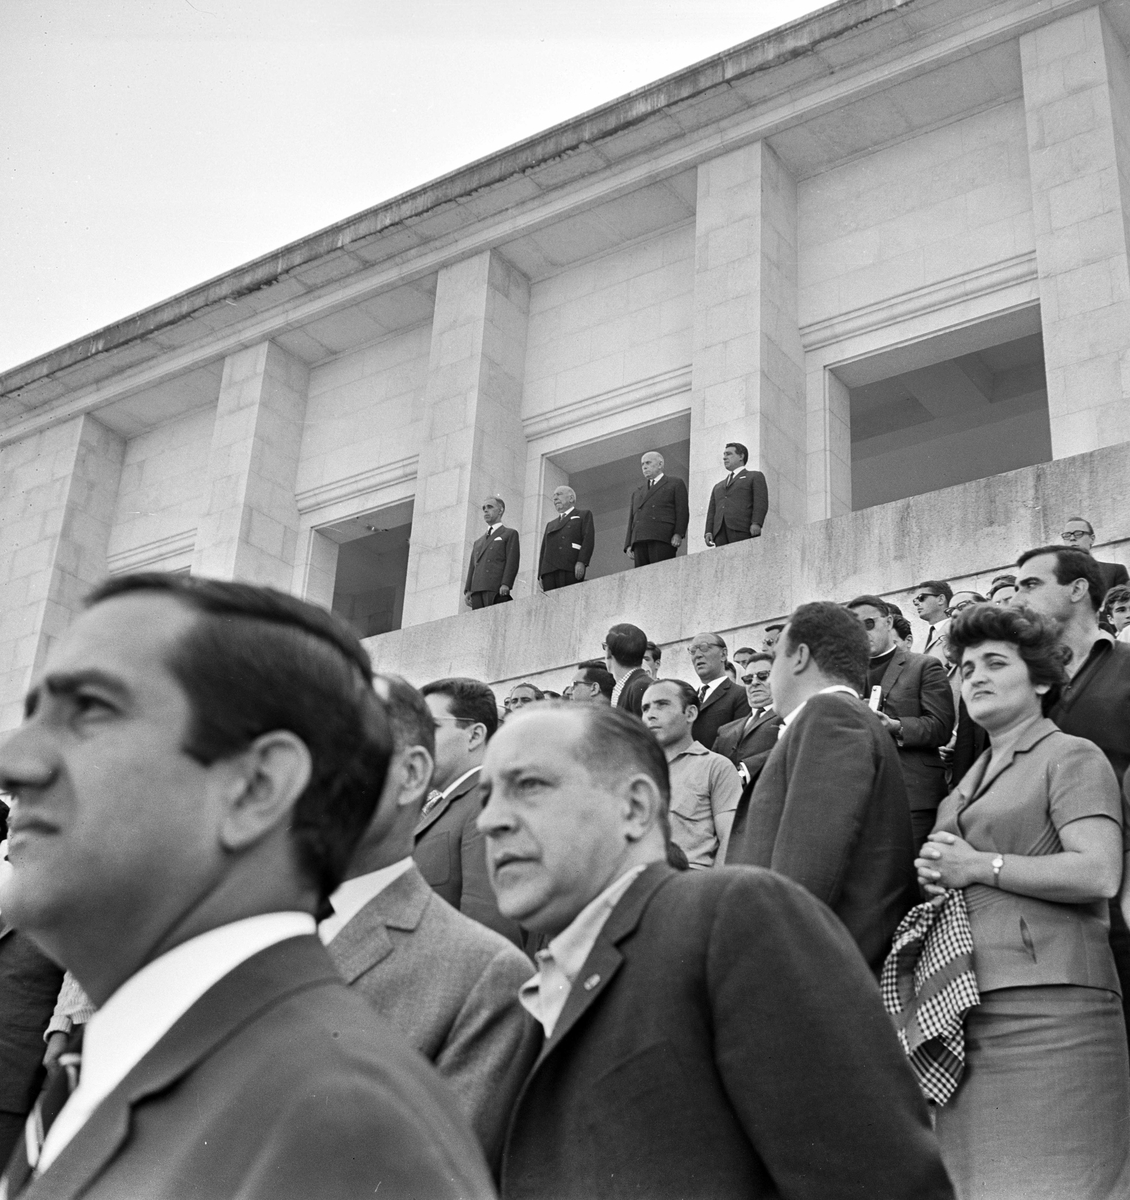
473, 443
829, 445
249, 528
57, 495
747, 371
1077, 105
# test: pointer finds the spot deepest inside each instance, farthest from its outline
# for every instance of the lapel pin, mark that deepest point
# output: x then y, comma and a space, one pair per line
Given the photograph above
591, 982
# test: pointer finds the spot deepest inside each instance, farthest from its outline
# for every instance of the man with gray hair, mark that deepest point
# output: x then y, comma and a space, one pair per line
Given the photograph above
567, 544
659, 514
494, 559
691, 1048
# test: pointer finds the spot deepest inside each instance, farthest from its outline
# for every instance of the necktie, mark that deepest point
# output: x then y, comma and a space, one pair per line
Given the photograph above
62, 1080
702, 692
751, 720
650, 484
730, 479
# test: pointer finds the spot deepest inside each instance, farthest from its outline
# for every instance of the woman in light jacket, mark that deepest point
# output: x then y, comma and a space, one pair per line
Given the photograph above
1033, 834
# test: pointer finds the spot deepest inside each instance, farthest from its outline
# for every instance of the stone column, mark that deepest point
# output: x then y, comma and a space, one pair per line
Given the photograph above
57, 495
747, 371
473, 442
1077, 104
829, 445
249, 528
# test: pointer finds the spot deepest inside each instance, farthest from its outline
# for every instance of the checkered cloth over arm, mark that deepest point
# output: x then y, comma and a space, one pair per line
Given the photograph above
928, 986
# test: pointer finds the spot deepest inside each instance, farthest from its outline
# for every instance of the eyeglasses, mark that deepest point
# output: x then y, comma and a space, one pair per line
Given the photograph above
868, 623
954, 609
1073, 535
760, 676
925, 596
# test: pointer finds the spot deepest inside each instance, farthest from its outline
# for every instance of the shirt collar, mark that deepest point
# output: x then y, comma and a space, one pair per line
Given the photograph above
565, 955
835, 687
492, 528
139, 1014
693, 748
453, 786
568, 510
657, 478
352, 896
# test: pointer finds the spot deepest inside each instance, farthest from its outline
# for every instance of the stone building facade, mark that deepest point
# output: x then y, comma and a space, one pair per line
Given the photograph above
887, 247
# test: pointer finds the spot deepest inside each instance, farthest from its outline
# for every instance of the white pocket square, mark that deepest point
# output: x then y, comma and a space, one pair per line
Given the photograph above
576, 545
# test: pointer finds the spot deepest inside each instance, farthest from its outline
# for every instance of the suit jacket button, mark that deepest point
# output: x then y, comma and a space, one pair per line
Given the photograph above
591, 982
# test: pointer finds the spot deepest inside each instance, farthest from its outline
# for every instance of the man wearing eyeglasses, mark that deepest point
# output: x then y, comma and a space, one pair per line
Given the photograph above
449, 850
1079, 534
748, 741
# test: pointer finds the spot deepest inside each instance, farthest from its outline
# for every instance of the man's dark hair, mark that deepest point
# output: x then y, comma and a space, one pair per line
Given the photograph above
773, 629
1035, 638
256, 660
626, 644
687, 694
745, 650
1071, 564
902, 627
1083, 521
533, 687
893, 609
759, 656
1118, 594
468, 700
936, 587
591, 663
619, 743
835, 639
409, 717
739, 449
656, 653
598, 673
999, 582
870, 602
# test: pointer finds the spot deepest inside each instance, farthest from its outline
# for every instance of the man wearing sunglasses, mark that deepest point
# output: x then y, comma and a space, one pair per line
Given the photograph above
931, 602
747, 741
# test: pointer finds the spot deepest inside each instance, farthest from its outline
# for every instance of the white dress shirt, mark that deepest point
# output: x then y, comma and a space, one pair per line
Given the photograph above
135, 1018
561, 961
836, 687
352, 896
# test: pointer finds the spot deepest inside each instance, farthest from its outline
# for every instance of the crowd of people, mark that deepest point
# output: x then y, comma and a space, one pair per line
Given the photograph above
839, 917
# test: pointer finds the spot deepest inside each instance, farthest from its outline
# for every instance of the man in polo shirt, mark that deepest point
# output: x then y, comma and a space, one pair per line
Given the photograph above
705, 787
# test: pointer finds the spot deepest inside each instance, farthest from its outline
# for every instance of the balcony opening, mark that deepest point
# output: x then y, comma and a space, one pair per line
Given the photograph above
372, 567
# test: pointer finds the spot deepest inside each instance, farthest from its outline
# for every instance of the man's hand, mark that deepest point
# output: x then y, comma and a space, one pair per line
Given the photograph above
891, 724
709, 539
630, 553
579, 571
56, 1044
755, 530
676, 541
467, 599
504, 590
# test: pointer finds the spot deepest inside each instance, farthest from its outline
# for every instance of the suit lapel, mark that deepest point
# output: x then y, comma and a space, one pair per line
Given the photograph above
286, 967
722, 688
365, 940
605, 958
893, 671
445, 804
482, 543
767, 714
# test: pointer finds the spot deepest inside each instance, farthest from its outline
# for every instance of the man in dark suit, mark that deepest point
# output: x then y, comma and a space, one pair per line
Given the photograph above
448, 848
830, 809
916, 708
624, 647
748, 741
659, 514
1079, 534
494, 559
29, 983
690, 1050
567, 544
197, 763
738, 503
449, 984
720, 699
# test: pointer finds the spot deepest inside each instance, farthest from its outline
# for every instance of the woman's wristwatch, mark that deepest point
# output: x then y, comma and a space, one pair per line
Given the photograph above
996, 864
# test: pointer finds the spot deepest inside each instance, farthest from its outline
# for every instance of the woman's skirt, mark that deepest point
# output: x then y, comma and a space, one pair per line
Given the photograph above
1043, 1108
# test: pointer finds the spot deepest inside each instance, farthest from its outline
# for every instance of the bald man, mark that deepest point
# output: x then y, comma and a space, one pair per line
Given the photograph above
567, 544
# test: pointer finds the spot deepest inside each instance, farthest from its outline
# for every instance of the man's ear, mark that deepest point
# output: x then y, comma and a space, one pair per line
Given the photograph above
264, 784
642, 803
801, 657
418, 767
478, 736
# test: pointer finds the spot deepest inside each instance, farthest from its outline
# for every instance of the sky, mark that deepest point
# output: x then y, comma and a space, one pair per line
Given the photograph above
148, 145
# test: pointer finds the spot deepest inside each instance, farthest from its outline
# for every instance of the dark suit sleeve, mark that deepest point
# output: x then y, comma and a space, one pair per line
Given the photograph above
470, 569
710, 512
760, 498
631, 521
830, 780
935, 726
1120, 576
513, 554
682, 508
477, 897
588, 538
802, 1041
